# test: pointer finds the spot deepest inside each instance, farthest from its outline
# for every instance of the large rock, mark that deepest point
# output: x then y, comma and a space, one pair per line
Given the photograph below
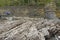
50, 10
26, 28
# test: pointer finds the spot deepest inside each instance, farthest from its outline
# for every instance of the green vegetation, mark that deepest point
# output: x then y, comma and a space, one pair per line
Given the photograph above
24, 2
29, 2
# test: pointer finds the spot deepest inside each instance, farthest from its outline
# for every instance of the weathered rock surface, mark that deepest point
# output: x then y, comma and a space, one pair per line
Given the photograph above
50, 11
26, 28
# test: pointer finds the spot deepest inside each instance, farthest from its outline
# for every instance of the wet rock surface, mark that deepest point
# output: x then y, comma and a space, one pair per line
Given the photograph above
25, 28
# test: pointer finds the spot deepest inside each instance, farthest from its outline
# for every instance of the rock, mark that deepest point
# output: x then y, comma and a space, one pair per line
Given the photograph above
50, 11
26, 28
45, 31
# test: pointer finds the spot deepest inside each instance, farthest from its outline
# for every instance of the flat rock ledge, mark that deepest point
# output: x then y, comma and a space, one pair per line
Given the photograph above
25, 28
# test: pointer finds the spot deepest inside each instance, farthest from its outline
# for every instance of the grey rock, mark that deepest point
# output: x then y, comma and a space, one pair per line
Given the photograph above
50, 11
26, 28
